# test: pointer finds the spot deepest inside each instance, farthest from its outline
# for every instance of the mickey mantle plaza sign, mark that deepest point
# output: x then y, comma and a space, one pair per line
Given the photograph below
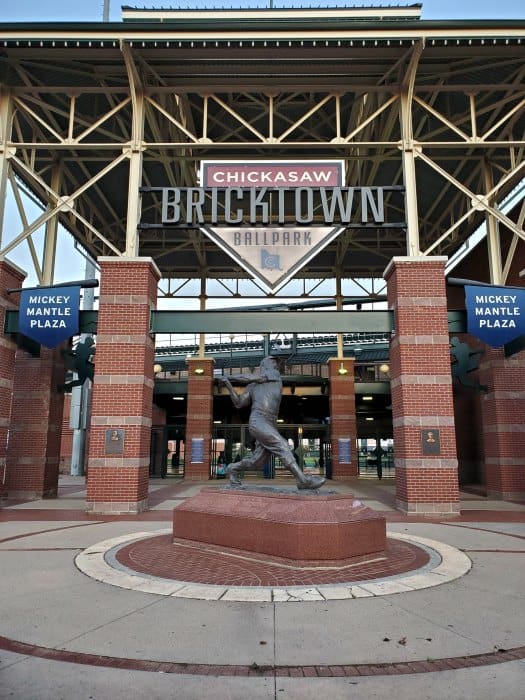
495, 315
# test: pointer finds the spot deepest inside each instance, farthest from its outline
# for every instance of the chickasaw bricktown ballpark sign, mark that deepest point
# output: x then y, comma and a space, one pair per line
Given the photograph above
271, 217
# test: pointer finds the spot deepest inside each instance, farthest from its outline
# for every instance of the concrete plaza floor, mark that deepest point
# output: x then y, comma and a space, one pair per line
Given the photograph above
67, 634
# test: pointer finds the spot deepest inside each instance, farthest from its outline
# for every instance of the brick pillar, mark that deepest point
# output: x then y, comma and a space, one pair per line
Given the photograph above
122, 399
33, 453
11, 277
421, 385
503, 411
66, 442
342, 418
199, 418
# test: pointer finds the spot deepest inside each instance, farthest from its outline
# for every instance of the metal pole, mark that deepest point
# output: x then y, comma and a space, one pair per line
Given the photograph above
105, 15
81, 395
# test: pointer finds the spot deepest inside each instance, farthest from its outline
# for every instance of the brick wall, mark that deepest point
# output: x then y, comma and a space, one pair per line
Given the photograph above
33, 453
503, 409
10, 278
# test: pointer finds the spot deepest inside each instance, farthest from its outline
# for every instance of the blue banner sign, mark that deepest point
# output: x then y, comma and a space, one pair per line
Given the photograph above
49, 315
495, 315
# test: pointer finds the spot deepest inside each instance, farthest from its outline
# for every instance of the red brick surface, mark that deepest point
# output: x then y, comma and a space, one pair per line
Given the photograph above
342, 416
123, 387
10, 278
33, 452
66, 439
502, 409
184, 560
421, 384
199, 417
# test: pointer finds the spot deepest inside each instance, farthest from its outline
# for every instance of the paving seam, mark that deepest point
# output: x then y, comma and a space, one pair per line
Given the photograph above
49, 530
318, 670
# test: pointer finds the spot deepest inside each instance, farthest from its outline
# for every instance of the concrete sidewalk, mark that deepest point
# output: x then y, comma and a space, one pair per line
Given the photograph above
65, 634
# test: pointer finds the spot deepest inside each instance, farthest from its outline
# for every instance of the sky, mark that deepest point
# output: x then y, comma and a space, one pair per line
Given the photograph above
92, 10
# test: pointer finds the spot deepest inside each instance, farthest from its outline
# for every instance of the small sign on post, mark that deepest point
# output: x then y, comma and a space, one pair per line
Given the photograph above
197, 451
345, 451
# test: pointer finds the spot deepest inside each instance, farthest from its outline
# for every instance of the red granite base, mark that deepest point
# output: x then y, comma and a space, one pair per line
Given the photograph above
303, 527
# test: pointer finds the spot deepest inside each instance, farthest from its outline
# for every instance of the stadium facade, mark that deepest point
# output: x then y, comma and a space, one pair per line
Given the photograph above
280, 156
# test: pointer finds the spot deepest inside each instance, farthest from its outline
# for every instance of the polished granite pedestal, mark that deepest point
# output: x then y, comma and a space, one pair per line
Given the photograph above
299, 525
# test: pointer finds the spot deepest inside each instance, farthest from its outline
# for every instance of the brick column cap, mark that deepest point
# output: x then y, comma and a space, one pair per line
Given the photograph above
332, 361
125, 259
400, 259
15, 268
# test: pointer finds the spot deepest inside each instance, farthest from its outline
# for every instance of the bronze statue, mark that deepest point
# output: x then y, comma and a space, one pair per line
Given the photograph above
263, 392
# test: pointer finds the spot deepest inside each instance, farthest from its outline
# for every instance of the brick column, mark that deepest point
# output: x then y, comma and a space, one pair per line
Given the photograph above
421, 385
502, 411
11, 277
342, 417
122, 399
66, 440
199, 418
33, 452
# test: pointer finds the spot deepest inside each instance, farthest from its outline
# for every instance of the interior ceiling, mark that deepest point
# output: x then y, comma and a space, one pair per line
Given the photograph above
272, 100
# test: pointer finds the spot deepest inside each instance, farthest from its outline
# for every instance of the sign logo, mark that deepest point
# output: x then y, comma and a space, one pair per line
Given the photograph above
49, 315
272, 252
495, 315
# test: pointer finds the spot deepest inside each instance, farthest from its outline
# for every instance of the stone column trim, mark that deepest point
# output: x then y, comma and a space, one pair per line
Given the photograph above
417, 379
425, 421
120, 420
118, 462
425, 463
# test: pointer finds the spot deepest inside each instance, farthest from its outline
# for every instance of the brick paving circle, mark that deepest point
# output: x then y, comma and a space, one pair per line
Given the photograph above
153, 563
182, 560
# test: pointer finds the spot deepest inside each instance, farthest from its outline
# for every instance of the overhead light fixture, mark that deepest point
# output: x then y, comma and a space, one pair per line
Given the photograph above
157, 368
217, 422
280, 420
384, 368
198, 370
369, 418
368, 398
178, 398
342, 370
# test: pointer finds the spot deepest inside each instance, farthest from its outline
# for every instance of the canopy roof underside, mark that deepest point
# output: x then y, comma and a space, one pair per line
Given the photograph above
93, 105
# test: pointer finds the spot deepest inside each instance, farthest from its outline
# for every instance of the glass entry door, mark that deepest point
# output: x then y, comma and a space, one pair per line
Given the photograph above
309, 443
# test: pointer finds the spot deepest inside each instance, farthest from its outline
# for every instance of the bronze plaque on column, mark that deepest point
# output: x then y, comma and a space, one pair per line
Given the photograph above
114, 442
430, 442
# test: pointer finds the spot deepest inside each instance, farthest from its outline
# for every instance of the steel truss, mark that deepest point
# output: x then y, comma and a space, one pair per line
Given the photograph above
85, 121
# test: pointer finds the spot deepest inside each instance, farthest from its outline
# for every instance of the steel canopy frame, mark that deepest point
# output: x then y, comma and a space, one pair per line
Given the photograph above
89, 113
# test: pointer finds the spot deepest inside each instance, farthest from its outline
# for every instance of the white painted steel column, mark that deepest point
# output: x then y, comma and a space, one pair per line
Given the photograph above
408, 153
493, 237
135, 154
6, 114
51, 230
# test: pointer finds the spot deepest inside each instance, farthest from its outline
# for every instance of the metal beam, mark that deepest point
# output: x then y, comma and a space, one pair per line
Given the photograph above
271, 321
